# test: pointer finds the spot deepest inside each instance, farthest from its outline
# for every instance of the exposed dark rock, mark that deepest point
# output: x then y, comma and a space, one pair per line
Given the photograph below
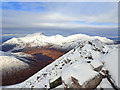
88, 61
98, 68
8, 47
89, 42
90, 57
94, 82
56, 83
75, 83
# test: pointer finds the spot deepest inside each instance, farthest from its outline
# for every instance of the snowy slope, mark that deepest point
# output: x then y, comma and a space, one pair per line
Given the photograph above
111, 64
86, 54
57, 41
10, 61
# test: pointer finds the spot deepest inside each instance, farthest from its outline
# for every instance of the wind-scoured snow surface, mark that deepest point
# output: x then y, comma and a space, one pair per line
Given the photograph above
111, 64
87, 52
57, 41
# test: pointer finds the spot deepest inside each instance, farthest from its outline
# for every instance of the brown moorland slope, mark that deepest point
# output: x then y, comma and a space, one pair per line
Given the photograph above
50, 52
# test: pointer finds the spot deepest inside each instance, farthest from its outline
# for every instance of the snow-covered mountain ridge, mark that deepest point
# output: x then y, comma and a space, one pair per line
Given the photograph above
88, 55
57, 41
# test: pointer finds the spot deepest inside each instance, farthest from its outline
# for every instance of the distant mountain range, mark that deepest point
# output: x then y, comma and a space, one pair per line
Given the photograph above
57, 41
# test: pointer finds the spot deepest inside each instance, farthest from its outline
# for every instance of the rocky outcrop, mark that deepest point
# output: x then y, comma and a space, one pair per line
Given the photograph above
93, 83
82, 76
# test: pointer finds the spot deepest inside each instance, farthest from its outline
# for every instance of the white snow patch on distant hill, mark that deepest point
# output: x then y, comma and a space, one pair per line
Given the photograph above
9, 61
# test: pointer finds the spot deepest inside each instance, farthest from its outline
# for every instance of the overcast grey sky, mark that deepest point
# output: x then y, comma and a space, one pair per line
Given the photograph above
92, 18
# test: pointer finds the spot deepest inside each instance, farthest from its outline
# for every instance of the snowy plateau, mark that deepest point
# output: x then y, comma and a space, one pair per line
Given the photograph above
88, 62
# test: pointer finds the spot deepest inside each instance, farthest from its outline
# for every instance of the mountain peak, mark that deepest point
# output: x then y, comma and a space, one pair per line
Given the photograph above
36, 34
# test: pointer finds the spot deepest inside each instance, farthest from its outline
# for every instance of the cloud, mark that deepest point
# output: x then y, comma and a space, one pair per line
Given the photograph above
12, 18
60, 18
13, 34
73, 25
110, 16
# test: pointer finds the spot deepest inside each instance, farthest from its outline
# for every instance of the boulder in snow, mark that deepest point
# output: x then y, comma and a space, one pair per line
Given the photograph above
79, 75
